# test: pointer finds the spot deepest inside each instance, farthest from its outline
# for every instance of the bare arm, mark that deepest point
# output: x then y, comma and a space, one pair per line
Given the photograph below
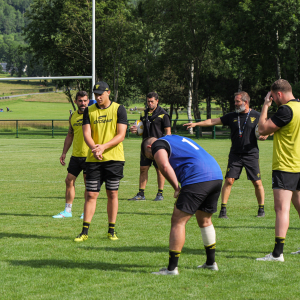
67, 144
206, 123
162, 161
265, 125
117, 139
167, 130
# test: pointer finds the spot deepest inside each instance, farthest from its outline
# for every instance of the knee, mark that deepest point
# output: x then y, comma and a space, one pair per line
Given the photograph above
229, 181
144, 170
69, 182
257, 183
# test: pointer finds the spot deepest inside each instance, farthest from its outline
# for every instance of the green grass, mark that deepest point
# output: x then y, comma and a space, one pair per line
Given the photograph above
39, 259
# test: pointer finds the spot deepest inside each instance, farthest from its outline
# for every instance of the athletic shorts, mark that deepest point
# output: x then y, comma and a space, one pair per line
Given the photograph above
199, 196
110, 172
285, 180
76, 165
250, 162
144, 161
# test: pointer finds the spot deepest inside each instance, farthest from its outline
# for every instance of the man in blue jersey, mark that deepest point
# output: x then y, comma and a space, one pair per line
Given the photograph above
183, 161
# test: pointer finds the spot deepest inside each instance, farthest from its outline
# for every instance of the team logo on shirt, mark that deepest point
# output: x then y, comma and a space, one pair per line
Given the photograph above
252, 119
78, 123
101, 119
258, 175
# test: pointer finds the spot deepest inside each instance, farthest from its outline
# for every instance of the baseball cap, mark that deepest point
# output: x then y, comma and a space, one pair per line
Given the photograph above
100, 87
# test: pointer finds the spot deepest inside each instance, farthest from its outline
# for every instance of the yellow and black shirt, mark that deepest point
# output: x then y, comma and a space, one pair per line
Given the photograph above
286, 142
104, 128
80, 148
155, 122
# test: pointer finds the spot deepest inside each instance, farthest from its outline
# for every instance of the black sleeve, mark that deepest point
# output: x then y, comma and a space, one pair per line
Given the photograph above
166, 120
160, 144
122, 115
226, 119
283, 116
86, 118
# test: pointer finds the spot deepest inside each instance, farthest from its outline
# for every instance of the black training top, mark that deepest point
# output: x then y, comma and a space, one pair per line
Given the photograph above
155, 123
247, 143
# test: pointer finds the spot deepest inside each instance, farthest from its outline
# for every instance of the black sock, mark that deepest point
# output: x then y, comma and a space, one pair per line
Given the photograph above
160, 192
85, 228
210, 254
223, 206
173, 259
111, 228
141, 192
278, 248
261, 206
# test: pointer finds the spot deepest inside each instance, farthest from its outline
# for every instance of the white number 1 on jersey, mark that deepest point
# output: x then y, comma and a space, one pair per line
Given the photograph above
186, 141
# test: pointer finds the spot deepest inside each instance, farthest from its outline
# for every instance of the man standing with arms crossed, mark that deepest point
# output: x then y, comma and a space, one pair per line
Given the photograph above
182, 160
104, 129
244, 150
285, 124
156, 122
80, 150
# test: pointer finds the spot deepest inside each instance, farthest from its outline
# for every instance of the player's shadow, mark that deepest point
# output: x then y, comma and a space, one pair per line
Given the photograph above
30, 236
23, 215
65, 264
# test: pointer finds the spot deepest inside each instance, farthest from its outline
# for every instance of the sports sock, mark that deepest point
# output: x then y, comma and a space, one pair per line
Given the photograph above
141, 192
85, 227
173, 259
223, 206
68, 207
111, 228
261, 206
160, 192
278, 248
209, 240
210, 254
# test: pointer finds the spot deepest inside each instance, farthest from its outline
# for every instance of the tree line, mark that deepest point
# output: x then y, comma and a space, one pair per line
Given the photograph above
188, 51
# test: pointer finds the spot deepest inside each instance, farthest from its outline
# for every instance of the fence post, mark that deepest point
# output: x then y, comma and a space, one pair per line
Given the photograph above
52, 130
17, 128
214, 132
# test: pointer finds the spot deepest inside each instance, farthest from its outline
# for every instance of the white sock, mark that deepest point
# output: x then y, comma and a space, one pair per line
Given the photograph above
208, 235
68, 208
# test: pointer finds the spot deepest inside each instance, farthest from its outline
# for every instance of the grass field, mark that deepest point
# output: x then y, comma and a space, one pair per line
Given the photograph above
39, 259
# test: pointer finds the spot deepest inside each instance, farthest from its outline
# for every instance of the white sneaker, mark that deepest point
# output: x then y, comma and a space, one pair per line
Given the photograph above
213, 267
270, 257
297, 252
165, 271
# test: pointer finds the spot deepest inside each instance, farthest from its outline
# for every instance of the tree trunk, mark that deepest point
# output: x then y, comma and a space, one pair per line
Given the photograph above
67, 92
278, 69
240, 88
190, 97
171, 111
296, 60
208, 105
175, 121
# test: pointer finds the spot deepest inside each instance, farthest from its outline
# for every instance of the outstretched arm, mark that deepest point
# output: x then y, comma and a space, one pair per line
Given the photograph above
206, 123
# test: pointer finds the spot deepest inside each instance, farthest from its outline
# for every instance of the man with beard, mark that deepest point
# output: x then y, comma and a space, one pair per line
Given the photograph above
244, 150
80, 150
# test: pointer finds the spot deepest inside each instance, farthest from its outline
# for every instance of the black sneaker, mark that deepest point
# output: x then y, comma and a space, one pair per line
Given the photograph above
138, 197
223, 214
260, 213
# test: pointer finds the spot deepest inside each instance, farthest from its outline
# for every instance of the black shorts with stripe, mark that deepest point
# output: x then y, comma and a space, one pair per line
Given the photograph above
76, 165
236, 163
110, 172
285, 180
199, 196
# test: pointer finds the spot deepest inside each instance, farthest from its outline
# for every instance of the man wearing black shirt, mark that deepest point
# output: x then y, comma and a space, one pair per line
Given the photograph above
244, 150
156, 122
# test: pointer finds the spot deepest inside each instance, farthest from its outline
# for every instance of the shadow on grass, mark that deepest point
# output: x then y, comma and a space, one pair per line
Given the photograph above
30, 236
252, 227
24, 215
64, 264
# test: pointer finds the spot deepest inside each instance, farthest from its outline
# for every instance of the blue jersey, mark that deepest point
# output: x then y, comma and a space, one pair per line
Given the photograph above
191, 163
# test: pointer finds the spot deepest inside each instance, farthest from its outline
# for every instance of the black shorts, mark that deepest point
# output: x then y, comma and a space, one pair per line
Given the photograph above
110, 172
285, 180
144, 161
250, 162
76, 165
199, 196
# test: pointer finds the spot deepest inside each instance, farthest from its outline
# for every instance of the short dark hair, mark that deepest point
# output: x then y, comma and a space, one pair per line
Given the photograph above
281, 85
145, 144
245, 96
152, 95
81, 94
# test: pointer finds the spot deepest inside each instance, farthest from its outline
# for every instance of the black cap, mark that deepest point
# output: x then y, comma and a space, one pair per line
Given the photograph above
100, 87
